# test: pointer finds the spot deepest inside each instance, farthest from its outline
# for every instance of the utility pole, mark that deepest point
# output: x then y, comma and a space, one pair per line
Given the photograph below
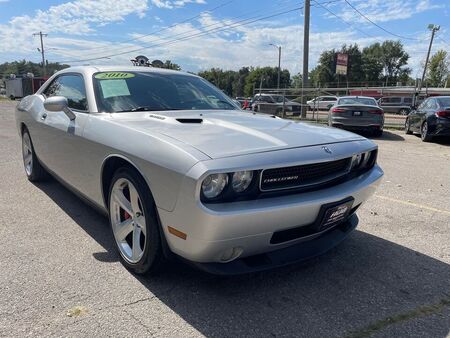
279, 64
433, 29
44, 68
305, 53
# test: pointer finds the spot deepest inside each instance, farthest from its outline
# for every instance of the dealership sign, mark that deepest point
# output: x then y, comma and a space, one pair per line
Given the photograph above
341, 63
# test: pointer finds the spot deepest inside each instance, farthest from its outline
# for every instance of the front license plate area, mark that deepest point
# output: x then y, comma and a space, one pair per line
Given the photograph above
357, 113
334, 214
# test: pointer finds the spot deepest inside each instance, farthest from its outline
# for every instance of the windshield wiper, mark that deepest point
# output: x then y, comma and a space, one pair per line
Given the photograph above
146, 108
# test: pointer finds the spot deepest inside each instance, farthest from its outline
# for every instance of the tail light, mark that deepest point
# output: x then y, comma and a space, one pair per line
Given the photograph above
443, 113
338, 110
376, 111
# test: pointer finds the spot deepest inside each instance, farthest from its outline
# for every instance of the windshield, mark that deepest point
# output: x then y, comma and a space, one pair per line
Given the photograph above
154, 91
278, 98
358, 100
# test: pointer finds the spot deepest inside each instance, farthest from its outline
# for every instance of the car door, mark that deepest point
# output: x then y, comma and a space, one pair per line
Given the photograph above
61, 135
415, 117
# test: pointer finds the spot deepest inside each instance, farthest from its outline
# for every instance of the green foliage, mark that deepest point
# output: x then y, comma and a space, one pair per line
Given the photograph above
242, 82
375, 65
169, 65
438, 69
23, 67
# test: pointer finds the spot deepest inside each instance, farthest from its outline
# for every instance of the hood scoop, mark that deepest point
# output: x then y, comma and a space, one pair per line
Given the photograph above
190, 120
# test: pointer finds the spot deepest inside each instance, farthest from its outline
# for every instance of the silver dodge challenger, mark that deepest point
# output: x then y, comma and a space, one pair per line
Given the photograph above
182, 172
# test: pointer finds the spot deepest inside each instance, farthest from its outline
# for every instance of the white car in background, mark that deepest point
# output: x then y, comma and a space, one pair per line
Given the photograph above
322, 102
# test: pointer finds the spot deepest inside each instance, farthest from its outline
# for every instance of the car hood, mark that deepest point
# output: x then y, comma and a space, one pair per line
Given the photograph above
229, 133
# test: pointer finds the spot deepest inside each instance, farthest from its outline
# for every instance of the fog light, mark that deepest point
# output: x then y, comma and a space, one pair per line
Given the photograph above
231, 254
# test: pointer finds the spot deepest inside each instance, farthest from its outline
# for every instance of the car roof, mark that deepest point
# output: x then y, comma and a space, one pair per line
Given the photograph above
356, 97
89, 70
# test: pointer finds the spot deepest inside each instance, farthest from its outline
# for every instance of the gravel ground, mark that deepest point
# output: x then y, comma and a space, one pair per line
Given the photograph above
60, 275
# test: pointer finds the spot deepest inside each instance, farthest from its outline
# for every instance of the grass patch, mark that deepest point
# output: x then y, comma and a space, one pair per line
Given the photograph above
421, 311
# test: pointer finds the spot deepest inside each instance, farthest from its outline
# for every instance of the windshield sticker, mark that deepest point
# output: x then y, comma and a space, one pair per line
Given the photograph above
111, 88
113, 75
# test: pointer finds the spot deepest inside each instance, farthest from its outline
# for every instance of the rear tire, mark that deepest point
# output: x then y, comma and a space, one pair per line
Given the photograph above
33, 168
424, 133
134, 222
404, 111
378, 132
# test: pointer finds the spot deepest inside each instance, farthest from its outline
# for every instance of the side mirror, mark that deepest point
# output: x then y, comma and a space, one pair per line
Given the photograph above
59, 103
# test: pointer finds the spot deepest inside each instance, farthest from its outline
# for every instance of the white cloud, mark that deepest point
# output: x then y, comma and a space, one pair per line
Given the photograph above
76, 18
170, 4
385, 11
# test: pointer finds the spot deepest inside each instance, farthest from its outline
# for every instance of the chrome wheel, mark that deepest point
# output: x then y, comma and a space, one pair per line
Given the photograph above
128, 220
27, 154
424, 131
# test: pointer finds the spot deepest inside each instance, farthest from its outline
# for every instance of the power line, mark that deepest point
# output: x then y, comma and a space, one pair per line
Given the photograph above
377, 25
183, 38
345, 21
168, 27
189, 37
95, 55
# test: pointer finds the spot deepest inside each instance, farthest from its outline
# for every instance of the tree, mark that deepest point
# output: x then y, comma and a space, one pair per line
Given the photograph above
23, 67
265, 77
394, 58
168, 65
438, 69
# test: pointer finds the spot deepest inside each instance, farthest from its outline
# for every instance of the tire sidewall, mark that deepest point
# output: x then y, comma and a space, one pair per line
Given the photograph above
152, 251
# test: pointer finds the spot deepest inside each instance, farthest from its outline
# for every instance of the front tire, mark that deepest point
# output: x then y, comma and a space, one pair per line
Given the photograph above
134, 222
404, 111
408, 127
33, 168
424, 133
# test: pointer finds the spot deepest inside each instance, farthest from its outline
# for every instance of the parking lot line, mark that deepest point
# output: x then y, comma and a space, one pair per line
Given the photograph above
420, 206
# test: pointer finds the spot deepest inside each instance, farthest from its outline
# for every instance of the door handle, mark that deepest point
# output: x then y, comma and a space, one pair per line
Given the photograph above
44, 116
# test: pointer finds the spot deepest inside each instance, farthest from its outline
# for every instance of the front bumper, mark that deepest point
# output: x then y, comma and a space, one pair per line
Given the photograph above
293, 254
249, 225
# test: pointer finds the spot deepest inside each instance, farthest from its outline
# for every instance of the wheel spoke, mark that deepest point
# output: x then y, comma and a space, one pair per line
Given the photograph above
27, 158
140, 220
124, 203
123, 229
134, 198
136, 249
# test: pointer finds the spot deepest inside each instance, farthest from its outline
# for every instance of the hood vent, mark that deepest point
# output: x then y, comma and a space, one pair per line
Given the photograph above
190, 121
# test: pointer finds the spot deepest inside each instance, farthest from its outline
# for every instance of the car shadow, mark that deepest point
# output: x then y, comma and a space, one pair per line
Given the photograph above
386, 136
365, 286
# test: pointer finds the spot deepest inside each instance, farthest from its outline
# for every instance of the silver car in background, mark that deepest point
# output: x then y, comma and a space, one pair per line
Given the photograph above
181, 172
357, 113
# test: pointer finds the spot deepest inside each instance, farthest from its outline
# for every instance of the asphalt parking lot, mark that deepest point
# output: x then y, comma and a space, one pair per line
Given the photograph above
60, 275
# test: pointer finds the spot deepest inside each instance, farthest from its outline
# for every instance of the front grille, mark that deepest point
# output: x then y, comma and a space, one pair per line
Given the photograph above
303, 175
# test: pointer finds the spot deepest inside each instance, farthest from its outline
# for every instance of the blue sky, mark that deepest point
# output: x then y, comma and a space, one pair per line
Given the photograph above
199, 34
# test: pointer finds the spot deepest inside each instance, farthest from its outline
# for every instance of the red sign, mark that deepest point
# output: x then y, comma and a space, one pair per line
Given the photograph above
341, 63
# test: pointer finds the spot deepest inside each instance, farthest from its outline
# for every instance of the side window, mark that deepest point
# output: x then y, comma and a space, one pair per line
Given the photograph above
433, 104
407, 100
423, 105
72, 87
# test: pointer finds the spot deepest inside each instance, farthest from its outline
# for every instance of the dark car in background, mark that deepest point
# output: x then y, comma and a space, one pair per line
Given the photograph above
274, 104
396, 104
357, 113
430, 119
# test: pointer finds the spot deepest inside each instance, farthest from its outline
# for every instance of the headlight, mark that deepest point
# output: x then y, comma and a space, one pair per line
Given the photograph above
356, 160
241, 180
214, 184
